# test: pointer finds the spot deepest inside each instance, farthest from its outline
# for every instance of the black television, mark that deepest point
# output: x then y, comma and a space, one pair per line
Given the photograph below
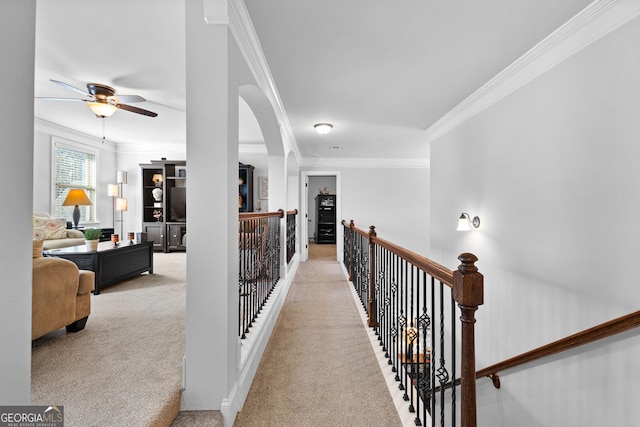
178, 204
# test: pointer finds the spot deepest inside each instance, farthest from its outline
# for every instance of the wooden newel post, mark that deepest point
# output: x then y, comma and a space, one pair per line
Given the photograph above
372, 320
468, 292
351, 226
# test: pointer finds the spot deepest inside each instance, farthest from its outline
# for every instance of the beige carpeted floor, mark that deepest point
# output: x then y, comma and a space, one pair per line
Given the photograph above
319, 368
125, 367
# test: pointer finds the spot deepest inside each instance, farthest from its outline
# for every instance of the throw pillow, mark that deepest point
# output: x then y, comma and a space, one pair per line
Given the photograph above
49, 228
37, 248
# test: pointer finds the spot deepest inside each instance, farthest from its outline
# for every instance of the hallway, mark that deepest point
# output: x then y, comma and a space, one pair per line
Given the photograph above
319, 368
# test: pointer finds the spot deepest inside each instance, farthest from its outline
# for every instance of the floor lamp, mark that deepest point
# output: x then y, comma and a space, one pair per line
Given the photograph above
119, 202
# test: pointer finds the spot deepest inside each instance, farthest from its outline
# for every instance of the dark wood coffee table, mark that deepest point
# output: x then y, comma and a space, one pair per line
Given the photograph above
110, 264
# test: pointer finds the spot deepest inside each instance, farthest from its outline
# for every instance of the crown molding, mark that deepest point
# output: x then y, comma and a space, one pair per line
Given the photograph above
239, 21
595, 21
325, 162
59, 131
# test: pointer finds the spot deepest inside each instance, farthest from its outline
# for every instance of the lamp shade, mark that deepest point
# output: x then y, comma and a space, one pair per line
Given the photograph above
102, 109
463, 223
121, 177
121, 205
76, 197
112, 190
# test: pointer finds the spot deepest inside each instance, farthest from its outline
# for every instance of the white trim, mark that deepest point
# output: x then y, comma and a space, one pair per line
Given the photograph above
595, 21
41, 126
327, 162
253, 346
245, 35
304, 210
57, 141
402, 407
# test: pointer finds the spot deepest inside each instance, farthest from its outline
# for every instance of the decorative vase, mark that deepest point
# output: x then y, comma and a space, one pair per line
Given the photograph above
157, 194
92, 245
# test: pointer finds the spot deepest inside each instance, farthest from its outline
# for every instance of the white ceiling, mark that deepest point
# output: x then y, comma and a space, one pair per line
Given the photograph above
381, 72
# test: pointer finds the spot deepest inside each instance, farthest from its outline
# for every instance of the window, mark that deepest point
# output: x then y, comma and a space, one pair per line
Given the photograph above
74, 167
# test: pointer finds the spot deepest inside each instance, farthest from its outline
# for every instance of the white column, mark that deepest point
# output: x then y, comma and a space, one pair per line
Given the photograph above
212, 161
17, 50
278, 200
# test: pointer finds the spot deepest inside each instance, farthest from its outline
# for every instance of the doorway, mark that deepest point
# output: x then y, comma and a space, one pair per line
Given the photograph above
316, 183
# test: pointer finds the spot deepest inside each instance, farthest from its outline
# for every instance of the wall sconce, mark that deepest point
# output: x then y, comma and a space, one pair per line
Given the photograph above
465, 222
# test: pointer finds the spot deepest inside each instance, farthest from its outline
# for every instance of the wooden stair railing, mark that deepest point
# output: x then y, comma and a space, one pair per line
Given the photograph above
467, 286
604, 330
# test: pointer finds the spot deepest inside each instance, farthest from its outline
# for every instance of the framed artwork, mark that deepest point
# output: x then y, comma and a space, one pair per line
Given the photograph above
263, 187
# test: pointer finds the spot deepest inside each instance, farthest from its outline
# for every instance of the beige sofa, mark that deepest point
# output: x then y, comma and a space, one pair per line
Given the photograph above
61, 295
54, 232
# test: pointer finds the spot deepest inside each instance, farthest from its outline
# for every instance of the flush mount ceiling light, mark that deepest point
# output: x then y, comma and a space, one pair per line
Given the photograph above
323, 128
465, 222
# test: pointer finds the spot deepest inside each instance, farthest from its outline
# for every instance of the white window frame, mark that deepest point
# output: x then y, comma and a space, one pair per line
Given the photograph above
82, 148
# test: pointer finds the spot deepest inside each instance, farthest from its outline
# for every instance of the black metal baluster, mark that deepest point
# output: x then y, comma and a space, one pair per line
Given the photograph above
443, 375
410, 339
396, 331
403, 324
453, 360
432, 379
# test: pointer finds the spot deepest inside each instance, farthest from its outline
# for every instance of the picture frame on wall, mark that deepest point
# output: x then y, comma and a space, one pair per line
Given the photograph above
263, 187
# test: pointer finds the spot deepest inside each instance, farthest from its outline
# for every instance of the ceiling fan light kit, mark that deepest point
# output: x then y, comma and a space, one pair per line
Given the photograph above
102, 109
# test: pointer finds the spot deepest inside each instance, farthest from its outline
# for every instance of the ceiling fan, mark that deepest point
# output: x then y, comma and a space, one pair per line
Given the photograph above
102, 99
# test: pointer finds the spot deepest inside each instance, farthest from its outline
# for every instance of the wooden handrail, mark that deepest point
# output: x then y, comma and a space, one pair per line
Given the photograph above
604, 330
434, 269
257, 215
467, 285
293, 212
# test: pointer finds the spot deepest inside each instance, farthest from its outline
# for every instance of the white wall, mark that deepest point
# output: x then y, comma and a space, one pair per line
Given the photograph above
17, 43
42, 185
552, 172
395, 200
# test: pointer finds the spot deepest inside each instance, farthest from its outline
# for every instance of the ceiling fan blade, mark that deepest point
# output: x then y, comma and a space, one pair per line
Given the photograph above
130, 98
68, 86
48, 98
136, 110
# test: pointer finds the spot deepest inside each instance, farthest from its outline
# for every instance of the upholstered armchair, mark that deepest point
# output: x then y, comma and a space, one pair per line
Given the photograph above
61, 295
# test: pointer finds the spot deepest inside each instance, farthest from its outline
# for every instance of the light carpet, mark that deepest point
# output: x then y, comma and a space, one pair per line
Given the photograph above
319, 368
125, 367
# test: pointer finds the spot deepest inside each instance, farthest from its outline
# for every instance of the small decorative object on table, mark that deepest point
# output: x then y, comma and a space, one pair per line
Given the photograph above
115, 239
92, 237
131, 236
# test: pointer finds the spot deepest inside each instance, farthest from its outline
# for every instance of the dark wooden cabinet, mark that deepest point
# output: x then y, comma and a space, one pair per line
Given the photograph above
176, 237
245, 188
155, 234
164, 203
326, 218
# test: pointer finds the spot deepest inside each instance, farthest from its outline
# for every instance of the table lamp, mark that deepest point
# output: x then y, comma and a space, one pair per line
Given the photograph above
76, 197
